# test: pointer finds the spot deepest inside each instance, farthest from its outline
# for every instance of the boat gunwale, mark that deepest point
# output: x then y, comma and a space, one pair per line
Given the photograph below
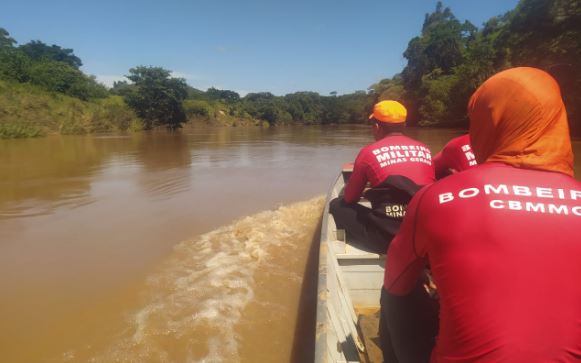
322, 322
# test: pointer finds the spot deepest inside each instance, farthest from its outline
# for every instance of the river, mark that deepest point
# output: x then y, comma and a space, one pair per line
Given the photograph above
167, 247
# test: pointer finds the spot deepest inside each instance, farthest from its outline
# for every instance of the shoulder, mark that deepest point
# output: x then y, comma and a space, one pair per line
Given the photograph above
411, 141
458, 141
433, 194
365, 154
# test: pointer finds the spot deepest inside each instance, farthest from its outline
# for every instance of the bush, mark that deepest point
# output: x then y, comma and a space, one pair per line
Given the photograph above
54, 112
113, 114
61, 77
434, 108
14, 65
197, 108
19, 130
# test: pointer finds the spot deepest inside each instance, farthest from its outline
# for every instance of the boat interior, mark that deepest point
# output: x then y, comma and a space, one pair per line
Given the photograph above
349, 287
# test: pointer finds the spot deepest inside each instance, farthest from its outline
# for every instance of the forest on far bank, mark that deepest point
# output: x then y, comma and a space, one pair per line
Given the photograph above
43, 90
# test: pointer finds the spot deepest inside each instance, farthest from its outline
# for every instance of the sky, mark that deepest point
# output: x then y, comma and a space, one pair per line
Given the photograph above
278, 46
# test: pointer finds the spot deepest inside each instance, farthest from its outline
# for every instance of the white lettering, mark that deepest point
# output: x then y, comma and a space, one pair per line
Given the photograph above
514, 205
521, 190
500, 189
382, 157
576, 211
535, 207
558, 209
575, 194
445, 198
544, 192
468, 193
496, 204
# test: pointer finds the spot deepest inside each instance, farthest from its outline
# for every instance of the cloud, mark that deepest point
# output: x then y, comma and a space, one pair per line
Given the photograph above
108, 79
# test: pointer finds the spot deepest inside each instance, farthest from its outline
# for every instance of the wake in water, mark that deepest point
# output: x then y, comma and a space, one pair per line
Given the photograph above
193, 304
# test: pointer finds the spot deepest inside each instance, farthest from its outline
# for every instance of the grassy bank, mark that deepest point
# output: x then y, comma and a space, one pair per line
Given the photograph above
28, 111
214, 112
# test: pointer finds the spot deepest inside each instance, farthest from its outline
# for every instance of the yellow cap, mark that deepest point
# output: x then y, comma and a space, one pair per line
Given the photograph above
389, 111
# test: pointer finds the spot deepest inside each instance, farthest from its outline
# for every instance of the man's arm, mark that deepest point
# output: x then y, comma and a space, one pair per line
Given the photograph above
406, 256
357, 181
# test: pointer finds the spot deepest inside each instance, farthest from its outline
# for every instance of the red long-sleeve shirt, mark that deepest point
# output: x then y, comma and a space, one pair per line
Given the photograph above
392, 155
504, 246
456, 155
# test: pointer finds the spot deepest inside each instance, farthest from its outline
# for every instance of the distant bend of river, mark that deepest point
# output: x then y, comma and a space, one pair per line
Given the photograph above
166, 247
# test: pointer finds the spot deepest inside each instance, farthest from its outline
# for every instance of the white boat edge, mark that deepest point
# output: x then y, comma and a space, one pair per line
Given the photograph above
347, 278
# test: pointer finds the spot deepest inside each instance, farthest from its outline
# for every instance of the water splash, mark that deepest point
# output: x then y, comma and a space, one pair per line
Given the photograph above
194, 302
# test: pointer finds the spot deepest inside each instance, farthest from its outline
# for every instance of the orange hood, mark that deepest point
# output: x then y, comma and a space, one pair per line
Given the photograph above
517, 117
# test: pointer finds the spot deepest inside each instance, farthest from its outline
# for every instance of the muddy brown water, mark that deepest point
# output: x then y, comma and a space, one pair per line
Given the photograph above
159, 247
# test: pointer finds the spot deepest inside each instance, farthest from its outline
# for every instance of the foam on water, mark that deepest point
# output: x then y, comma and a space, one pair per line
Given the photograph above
192, 304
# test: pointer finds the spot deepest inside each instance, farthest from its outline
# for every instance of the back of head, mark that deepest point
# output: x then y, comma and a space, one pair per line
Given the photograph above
517, 117
390, 116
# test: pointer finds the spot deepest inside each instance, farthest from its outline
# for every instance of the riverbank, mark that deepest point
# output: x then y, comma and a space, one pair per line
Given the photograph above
29, 111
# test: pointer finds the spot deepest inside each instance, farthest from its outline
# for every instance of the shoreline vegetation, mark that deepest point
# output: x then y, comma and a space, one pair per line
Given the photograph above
43, 91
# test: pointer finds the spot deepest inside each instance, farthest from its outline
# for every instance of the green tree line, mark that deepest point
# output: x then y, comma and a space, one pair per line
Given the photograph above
50, 67
174, 102
450, 59
445, 64
159, 99
43, 90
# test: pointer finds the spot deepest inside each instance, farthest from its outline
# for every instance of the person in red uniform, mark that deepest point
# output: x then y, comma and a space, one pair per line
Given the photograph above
502, 239
394, 167
456, 156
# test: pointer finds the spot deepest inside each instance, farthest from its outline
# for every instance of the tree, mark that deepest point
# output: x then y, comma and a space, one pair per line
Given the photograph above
61, 77
14, 65
157, 98
5, 40
547, 35
38, 51
223, 95
388, 89
122, 88
433, 59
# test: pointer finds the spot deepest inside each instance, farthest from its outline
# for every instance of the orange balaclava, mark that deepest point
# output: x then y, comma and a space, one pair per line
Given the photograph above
517, 117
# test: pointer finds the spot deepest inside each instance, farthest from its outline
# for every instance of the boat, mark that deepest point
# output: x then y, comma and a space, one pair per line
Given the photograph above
349, 287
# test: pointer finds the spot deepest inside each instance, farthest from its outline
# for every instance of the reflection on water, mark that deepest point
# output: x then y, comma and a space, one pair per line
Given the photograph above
85, 220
